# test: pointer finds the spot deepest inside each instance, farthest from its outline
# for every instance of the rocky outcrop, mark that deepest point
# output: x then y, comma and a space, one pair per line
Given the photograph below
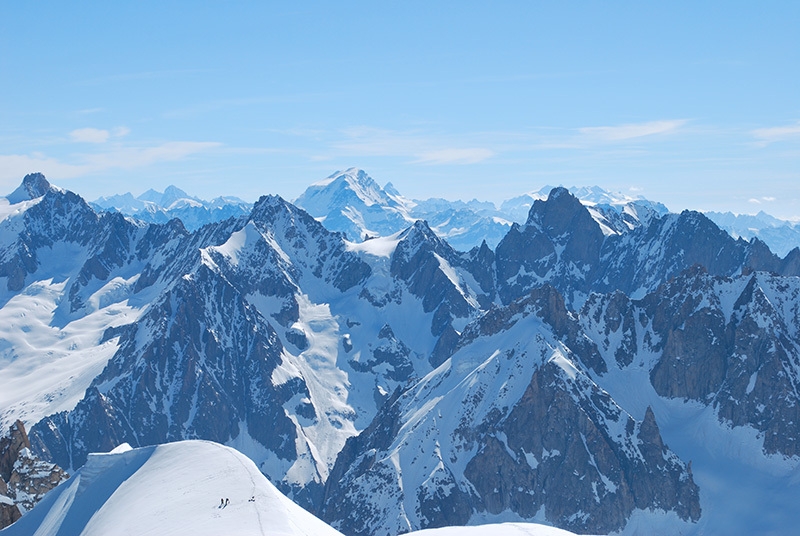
560, 243
9, 512
24, 477
742, 360
730, 343
434, 272
601, 477
10, 447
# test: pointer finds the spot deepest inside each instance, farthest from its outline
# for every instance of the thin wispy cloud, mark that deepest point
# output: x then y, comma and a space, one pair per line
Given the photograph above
15, 166
89, 135
772, 134
89, 111
97, 135
611, 135
631, 131
761, 200
134, 157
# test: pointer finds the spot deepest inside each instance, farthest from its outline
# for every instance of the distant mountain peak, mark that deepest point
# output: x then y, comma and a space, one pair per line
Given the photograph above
354, 174
174, 190
269, 200
419, 233
34, 185
558, 191
352, 202
166, 198
391, 190
160, 207
557, 211
355, 182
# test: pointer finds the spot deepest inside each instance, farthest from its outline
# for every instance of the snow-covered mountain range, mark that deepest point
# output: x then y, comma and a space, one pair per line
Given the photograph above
160, 207
607, 366
780, 235
353, 203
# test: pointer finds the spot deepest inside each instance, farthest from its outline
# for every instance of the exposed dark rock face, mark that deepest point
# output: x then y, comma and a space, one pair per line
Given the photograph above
480, 262
24, 478
205, 368
10, 447
325, 255
109, 243
745, 362
547, 303
417, 261
732, 343
600, 477
488, 441
352, 460
434, 272
560, 244
390, 352
613, 314
33, 186
9, 512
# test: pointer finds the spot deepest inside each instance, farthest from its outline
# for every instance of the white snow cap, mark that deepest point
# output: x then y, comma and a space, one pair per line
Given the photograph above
496, 529
188, 487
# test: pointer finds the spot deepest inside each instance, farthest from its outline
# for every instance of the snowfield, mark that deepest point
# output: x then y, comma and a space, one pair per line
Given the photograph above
168, 489
497, 529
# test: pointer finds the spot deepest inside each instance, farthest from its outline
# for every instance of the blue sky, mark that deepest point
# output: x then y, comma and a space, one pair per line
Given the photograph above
695, 104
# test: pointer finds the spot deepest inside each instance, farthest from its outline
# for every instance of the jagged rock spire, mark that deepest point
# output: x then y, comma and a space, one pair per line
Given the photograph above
33, 185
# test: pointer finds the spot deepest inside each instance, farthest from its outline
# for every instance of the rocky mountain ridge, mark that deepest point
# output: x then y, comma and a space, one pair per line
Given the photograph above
352, 202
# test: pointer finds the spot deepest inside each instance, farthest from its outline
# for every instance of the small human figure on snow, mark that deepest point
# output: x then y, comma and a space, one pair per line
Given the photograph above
226, 501
221, 503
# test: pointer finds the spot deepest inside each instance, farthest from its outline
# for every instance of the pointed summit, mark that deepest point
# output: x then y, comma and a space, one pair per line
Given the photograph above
352, 202
558, 212
166, 198
34, 185
173, 194
351, 187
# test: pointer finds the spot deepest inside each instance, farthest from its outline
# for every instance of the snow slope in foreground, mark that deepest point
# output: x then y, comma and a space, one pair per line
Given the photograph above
497, 529
168, 489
